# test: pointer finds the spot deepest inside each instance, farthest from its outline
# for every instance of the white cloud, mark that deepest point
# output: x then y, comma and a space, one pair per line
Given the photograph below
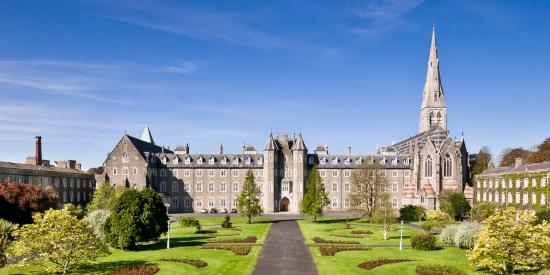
385, 15
181, 67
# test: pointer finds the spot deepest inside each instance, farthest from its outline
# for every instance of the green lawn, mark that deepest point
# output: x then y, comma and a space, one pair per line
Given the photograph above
347, 262
184, 244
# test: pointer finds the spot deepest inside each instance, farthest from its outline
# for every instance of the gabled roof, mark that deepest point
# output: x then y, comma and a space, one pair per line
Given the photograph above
299, 144
271, 144
436, 134
143, 146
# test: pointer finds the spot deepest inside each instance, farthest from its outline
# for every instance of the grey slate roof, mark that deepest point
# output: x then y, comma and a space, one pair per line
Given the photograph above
143, 146
365, 160
531, 167
23, 166
436, 134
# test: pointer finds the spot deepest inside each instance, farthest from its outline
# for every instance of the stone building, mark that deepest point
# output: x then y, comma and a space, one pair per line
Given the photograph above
417, 168
521, 184
67, 179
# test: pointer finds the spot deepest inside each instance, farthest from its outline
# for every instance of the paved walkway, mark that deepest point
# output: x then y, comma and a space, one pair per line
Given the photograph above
284, 251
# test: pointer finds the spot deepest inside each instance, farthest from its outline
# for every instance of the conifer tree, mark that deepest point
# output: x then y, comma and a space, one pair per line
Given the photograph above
316, 197
248, 202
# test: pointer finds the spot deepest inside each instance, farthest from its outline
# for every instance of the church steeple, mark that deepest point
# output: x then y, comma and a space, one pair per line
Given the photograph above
146, 135
433, 111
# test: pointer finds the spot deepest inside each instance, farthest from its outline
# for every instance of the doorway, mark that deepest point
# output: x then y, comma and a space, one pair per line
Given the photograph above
285, 205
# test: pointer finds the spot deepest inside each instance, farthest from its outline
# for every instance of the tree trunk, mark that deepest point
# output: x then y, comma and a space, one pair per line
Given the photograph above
249, 218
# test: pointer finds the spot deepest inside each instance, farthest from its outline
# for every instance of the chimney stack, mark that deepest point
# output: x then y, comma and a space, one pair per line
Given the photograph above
38, 152
221, 149
349, 149
519, 162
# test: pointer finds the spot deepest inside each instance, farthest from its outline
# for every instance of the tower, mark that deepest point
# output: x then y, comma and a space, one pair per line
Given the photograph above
433, 111
299, 154
271, 150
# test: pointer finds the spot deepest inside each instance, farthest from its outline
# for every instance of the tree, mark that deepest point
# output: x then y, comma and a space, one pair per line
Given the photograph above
19, 201
542, 153
248, 202
370, 189
75, 210
60, 238
384, 215
484, 209
6, 237
137, 216
454, 204
509, 155
104, 197
316, 198
481, 162
511, 242
412, 213
97, 219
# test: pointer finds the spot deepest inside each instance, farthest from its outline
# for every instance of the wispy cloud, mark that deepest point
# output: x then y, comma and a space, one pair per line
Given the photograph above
181, 67
384, 16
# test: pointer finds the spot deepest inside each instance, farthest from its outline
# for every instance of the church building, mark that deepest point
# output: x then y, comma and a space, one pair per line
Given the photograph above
417, 168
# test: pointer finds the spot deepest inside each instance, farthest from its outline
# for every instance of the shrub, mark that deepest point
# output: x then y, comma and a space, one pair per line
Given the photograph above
544, 272
484, 209
75, 210
190, 222
194, 262
361, 232
429, 225
423, 240
207, 231
321, 240
382, 214
97, 219
7, 230
447, 235
240, 250
331, 250
227, 222
137, 270
412, 213
466, 234
438, 216
455, 204
249, 239
19, 201
435, 269
543, 215
369, 265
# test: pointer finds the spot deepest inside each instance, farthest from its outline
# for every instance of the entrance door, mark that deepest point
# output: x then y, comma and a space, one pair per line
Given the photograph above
285, 205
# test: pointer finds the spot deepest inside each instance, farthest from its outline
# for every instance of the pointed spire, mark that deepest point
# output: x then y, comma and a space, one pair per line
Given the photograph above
146, 135
270, 144
299, 144
433, 95
221, 148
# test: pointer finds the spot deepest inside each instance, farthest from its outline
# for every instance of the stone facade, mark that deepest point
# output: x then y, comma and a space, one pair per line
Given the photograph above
418, 168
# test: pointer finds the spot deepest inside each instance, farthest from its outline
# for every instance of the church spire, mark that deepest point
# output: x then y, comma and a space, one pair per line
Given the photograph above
434, 109
146, 135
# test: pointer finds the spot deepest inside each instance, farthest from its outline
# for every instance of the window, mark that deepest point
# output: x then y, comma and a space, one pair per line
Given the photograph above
174, 187
247, 161
383, 188
395, 173
346, 187
56, 182
125, 157
236, 161
347, 161
125, 170
163, 172
335, 202
175, 202
447, 166
210, 187
235, 187
176, 160
347, 173
335, 173
286, 186
383, 161
65, 180
407, 173
210, 202
187, 202
359, 161
187, 173
422, 199
428, 166
162, 187
224, 161
394, 187
222, 187
235, 173
198, 173
199, 161
114, 173
222, 202
322, 173
198, 202
406, 161
234, 202
383, 173
223, 172
78, 196
212, 160
135, 171
394, 161
198, 186
335, 161
187, 160
186, 186
210, 173
261, 160
335, 187
346, 202
163, 160
323, 161
394, 203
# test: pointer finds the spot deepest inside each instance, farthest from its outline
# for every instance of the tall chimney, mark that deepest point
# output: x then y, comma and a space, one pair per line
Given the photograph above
349, 149
519, 162
38, 152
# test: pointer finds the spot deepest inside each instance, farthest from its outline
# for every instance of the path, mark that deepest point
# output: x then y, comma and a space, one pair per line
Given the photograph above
284, 251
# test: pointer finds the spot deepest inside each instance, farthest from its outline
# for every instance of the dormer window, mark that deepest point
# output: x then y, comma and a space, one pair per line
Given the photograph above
176, 160
372, 161
224, 160
394, 161
323, 161
163, 160
188, 160
359, 160
347, 161
199, 161
212, 160
335, 161
236, 160
406, 161
247, 161
260, 160
383, 161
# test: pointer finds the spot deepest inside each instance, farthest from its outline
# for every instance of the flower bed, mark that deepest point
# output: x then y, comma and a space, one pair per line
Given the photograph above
241, 250
142, 269
249, 239
207, 231
321, 240
361, 232
194, 262
331, 250
438, 270
343, 235
369, 265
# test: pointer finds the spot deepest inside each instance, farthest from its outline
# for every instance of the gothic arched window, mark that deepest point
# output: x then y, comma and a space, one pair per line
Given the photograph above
438, 118
428, 166
447, 166
431, 119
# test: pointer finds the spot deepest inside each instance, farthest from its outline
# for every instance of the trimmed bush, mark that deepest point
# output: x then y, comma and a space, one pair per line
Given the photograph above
227, 222
331, 250
436, 269
447, 235
190, 222
466, 234
206, 231
412, 213
423, 240
137, 270
342, 235
240, 250
249, 239
321, 240
369, 265
361, 232
194, 262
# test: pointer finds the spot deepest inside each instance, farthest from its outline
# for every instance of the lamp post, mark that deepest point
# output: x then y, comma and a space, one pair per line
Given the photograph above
168, 234
401, 239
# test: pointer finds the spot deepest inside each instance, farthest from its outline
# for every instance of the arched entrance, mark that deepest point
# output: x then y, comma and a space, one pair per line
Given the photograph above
284, 205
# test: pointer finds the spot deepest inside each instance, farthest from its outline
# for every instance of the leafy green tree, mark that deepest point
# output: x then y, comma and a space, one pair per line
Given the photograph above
542, 153
482, 160
6, 237
509, 155
75, 210
454, 204
60, 238
104, 197
412, 213
512, 242
370, 184
137, 216
248, 202
316, 197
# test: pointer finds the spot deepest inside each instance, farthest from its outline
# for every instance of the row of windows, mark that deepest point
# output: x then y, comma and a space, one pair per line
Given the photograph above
212, 160
359, 161
210, 173
501, 183
76, 197
198, 187
347, 173
210, 202
501, 197
447, 166
334, 202
125, 171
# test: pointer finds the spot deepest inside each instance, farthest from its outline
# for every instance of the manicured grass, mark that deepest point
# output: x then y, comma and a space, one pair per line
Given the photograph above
184, 244
348, 262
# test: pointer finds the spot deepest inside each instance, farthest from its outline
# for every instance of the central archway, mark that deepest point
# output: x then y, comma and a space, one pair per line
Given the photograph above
285, 205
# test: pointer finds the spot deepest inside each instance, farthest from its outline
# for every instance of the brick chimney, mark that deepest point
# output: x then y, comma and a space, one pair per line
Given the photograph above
38, 152
519, 162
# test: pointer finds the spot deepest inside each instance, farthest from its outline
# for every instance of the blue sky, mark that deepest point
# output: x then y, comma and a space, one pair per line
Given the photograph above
81, 73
